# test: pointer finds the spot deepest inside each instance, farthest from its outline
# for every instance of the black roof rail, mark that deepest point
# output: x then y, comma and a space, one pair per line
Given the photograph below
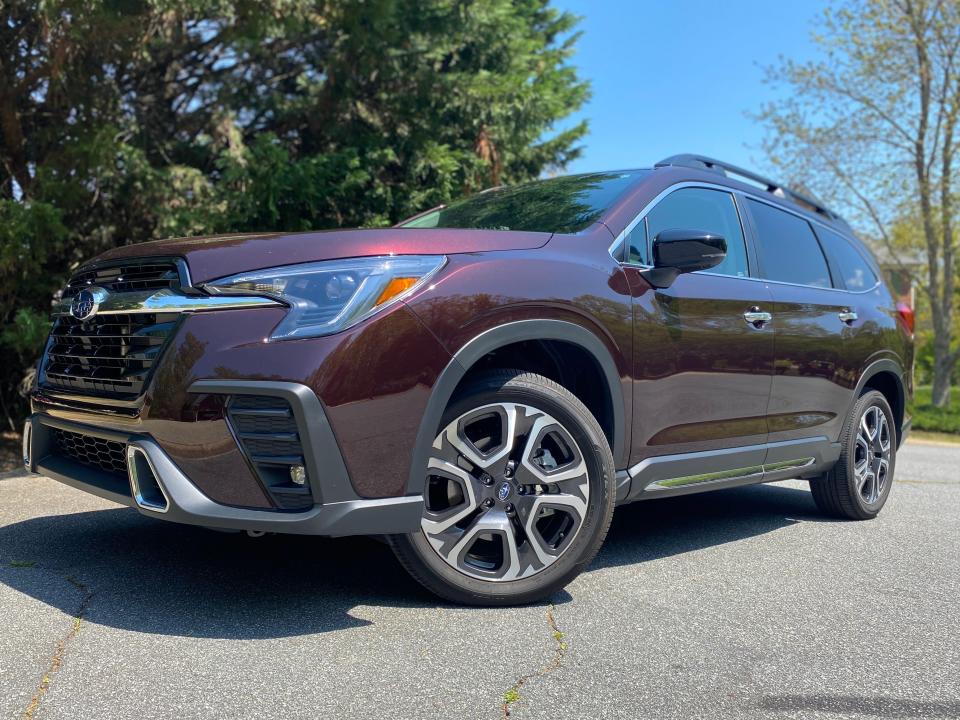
701, 162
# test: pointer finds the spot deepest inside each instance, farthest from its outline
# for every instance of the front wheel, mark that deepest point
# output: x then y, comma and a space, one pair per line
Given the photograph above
518, 496
857, 487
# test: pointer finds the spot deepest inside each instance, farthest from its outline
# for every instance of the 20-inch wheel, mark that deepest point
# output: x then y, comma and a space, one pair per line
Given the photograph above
858, 485
518, 497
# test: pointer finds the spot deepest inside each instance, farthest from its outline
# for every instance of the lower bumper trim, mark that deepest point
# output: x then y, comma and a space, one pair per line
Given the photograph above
188, 505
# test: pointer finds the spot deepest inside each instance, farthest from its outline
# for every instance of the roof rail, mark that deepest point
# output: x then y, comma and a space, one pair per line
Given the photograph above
701, 162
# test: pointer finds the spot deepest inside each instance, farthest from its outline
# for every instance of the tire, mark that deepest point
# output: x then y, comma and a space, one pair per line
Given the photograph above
516, 456
857, 487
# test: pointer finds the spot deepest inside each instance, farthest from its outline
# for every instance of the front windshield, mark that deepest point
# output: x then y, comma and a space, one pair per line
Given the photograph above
558, 205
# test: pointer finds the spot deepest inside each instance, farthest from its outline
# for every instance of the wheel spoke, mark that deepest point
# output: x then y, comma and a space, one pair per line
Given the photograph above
489, 460
543, 426
494, 523
572, 506
435, 523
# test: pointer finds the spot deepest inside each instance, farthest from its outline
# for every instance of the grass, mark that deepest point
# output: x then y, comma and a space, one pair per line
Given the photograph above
928, 418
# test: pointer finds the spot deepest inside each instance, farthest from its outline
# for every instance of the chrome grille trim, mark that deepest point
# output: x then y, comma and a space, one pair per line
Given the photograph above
168, 301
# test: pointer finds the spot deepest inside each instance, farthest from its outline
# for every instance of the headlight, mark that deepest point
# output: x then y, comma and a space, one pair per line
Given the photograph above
327, 297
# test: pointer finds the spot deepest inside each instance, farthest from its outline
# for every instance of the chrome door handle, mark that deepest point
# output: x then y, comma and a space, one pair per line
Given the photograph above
847, 316
756, 317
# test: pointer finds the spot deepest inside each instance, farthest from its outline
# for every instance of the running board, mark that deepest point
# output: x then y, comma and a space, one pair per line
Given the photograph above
683, 473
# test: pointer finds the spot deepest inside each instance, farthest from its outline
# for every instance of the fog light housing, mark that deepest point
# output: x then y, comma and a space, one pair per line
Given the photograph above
298, 475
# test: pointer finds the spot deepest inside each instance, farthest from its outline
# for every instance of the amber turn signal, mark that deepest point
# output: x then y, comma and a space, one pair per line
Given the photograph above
396, 287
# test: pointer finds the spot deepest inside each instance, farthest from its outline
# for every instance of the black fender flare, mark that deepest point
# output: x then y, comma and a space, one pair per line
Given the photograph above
487, 342
874, 369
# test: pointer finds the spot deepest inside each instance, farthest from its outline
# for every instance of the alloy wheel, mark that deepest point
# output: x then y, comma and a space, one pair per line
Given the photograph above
506, 494
871, 463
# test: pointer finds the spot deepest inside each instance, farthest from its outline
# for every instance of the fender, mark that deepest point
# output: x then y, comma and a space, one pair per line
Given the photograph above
491, 340
873, 369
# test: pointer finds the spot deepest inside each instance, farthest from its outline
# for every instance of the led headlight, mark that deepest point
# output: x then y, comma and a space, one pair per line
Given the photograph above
327, 297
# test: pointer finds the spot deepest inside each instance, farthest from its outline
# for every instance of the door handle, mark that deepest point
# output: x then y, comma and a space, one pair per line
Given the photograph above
847, 316
757, 317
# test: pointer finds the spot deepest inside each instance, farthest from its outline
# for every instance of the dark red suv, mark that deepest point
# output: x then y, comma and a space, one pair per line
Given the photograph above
485, 382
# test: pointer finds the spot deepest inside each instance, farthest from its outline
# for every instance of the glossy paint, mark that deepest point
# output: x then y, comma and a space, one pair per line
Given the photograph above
692, 374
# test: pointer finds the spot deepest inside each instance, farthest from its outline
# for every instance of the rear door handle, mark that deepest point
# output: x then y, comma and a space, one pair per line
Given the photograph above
847, 316
757, 317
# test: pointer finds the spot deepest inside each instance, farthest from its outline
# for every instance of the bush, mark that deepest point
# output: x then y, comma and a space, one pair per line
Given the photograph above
934, 419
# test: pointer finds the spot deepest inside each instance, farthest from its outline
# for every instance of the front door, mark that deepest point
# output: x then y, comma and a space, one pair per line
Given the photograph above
703, 359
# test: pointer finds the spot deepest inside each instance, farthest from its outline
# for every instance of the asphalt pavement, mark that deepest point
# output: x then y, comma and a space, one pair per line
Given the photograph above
740, 603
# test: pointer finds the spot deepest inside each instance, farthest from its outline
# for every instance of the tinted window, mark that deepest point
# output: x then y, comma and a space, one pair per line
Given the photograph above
559, 205
703, 209
854, 269
789, 251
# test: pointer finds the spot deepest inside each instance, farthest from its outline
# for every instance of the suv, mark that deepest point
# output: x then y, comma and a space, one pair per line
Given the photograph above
483, 383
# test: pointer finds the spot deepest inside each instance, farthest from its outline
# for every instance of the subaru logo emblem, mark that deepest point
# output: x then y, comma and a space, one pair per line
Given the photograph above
86, 303
504, 491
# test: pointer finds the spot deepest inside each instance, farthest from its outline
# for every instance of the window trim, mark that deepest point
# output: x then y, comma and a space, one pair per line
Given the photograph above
831, 274
738, 196
874, 269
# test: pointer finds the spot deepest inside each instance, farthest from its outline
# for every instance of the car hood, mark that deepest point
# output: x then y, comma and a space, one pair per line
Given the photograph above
217, 256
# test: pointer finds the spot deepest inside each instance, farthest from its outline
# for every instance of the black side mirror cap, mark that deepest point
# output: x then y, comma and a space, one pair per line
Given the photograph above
679, 251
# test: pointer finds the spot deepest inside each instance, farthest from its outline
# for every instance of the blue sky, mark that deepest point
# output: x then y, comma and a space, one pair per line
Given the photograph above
677, 76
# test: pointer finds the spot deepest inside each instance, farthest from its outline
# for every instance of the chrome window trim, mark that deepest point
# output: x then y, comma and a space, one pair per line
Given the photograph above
621, 237
168, 301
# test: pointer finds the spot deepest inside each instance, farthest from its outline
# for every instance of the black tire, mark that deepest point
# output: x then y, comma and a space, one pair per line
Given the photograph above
528, 391
838, 493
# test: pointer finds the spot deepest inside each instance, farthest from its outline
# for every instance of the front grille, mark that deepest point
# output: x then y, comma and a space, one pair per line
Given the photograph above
129, 277
112, 355
268, 434
106, 455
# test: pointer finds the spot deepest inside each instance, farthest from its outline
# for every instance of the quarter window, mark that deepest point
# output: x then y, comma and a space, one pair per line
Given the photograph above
854, 269
789, 251
703, 209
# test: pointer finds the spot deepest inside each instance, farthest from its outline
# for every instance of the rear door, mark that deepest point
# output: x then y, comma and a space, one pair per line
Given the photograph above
703, 372
813, 375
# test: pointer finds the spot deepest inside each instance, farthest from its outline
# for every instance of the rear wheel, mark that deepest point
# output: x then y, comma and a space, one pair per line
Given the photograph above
858, 485
518, 496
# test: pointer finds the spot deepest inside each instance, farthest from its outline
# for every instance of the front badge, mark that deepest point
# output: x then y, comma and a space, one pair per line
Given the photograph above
86, 303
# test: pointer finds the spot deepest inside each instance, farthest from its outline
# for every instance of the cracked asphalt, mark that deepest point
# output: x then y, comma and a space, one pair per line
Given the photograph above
734, 604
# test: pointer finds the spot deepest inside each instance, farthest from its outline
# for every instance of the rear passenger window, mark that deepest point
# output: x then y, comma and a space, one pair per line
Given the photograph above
854, 269
702, 209
789, 251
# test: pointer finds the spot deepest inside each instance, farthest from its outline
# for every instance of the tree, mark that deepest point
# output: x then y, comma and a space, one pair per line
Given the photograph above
127, 121
875, 125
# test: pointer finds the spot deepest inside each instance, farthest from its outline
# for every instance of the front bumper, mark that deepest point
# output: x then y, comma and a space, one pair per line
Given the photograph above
155, 485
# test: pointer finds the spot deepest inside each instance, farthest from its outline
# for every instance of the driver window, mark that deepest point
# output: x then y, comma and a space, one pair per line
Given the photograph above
702, 209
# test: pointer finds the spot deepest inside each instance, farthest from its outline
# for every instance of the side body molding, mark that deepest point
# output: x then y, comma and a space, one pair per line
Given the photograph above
491, 340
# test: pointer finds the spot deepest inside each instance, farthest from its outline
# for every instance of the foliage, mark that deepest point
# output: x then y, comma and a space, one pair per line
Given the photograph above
127, 120
875, 124
930, 418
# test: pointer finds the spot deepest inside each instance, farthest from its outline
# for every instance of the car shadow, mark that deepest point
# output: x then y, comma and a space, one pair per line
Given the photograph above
148, 576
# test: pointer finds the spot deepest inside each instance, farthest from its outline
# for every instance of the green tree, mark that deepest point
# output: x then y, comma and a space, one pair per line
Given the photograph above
875, 124
127, 120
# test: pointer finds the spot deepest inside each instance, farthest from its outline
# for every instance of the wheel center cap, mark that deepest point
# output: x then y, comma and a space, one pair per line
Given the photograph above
504, 491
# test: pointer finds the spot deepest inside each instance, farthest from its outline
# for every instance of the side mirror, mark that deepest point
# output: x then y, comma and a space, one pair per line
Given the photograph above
683, 251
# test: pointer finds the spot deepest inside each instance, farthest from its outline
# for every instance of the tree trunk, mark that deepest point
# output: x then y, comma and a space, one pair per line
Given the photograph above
942, 370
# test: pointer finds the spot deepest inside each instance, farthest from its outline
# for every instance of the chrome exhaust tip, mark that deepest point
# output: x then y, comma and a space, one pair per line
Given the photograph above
145, 486
27, 440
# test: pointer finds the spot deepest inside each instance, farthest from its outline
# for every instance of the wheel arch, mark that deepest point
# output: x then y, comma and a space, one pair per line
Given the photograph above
886, 377
503, 336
